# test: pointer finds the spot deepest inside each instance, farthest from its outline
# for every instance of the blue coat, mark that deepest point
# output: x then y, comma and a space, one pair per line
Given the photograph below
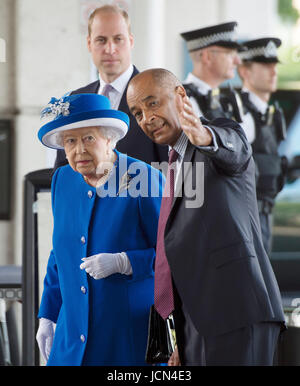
100, 322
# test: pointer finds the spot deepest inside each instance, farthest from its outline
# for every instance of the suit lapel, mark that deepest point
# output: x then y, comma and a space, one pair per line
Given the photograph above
94, 87
123, 106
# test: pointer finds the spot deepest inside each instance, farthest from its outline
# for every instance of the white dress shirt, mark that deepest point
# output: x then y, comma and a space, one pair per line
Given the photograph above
181, 145
119, 86
248, 123
202, 87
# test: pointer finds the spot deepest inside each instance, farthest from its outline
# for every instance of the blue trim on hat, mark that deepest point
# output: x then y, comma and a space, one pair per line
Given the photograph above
83, 107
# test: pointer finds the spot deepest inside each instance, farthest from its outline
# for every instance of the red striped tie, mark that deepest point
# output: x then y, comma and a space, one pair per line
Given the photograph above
163, 291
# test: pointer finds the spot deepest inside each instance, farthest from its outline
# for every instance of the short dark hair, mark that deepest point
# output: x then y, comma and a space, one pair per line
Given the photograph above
108, 8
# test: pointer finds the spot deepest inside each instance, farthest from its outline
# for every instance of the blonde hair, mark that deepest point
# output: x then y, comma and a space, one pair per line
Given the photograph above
112, 9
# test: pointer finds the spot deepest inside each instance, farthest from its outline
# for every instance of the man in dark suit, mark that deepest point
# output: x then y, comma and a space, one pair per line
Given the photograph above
110, 43
226, 303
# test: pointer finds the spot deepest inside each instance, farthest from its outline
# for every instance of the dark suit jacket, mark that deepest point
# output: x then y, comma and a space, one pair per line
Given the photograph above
135, 144
219, 266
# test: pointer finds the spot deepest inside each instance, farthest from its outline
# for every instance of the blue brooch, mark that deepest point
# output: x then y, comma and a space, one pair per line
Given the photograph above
57, 107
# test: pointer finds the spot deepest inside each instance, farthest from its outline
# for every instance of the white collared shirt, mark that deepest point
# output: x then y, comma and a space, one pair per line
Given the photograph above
202, 87
119, 86
180, 147
248, 123
262, 106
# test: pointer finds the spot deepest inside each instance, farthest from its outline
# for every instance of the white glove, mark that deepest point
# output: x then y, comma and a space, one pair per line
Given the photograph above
106, 264
45, 336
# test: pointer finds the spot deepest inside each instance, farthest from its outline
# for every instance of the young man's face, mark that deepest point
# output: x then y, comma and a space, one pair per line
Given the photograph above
156, 109
260, 77
110, 45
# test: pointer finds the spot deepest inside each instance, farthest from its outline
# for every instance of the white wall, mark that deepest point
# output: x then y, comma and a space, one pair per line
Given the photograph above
51, 59
256, 18
7, 69
7, 109
157, 25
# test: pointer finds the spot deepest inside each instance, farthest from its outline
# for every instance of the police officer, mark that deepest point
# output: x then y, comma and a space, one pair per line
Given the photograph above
263, 124
214, 53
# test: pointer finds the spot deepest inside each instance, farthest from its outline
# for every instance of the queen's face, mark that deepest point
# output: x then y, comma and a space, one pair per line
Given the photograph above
86, 149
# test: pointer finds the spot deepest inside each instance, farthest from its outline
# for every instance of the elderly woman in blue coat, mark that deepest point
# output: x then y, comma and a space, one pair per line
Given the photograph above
98, 288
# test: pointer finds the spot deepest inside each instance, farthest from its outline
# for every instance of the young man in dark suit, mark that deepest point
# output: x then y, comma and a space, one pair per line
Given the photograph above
110, 43
224, 296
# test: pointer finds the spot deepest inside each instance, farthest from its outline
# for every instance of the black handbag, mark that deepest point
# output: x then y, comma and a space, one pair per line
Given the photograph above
161, 341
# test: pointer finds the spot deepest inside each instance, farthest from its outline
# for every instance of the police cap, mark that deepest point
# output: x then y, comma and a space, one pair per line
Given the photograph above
223, 35
262, 50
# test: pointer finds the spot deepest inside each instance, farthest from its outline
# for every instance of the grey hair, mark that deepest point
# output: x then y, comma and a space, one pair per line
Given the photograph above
110, 134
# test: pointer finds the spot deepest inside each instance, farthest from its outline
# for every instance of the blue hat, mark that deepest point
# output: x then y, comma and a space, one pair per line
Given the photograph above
80, 110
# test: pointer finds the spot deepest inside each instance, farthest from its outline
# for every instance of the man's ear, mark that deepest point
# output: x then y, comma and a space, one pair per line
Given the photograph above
180, 94
205, 56
131, 40
242, 71
88, 41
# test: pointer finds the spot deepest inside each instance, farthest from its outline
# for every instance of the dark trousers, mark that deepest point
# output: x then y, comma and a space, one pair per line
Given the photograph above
254, 345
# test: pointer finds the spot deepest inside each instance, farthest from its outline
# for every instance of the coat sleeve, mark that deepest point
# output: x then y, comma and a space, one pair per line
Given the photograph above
142, 261
51, 298
234, 151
